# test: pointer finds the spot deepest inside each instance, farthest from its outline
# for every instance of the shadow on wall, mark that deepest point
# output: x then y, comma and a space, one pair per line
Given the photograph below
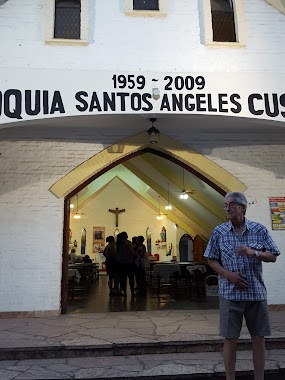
210, 135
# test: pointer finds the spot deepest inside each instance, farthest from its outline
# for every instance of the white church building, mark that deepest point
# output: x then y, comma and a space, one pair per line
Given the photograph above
81, 85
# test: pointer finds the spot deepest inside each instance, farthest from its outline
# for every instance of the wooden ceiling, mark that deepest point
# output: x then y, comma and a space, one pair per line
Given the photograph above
150, 176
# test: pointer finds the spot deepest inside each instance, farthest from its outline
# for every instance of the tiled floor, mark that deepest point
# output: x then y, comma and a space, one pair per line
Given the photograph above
97, 300
172, 344
176, 338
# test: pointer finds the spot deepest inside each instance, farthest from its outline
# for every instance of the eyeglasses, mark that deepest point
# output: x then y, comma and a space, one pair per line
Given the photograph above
231, 205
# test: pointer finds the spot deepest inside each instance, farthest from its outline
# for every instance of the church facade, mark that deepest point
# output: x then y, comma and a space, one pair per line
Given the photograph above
81, 84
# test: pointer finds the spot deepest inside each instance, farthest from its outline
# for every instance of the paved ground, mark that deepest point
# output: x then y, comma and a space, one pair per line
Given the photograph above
161, 344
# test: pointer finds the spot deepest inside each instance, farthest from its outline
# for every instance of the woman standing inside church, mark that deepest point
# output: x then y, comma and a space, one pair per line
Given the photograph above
126, 259
111, 265
142, 263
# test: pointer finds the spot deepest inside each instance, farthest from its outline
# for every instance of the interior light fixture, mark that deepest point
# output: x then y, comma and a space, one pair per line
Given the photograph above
76, 215
71, 205
168, 206
183, 195
153, 132
159, 216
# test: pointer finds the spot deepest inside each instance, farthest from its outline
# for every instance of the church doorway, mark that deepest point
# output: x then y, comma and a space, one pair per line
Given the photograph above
131, 194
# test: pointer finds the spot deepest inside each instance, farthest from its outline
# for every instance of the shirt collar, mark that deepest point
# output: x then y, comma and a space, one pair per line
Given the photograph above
247, 225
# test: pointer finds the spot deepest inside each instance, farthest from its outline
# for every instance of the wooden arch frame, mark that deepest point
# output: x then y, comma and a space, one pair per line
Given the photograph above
211, 173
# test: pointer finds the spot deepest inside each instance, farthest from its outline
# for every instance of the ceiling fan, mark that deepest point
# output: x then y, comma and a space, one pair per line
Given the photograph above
77, 215
184, 193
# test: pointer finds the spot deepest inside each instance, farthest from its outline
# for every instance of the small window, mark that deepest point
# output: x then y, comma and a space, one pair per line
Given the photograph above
146, 5
66, 22
223, 21
146, 8
67, 19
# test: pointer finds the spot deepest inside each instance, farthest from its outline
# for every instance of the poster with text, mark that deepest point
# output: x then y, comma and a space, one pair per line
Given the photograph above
277, 208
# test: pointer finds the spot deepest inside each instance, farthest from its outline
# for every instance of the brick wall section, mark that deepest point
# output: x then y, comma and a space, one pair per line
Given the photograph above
32, 221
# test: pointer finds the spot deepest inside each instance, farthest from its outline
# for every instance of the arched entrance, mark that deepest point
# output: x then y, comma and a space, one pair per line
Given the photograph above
162, 164
186, 248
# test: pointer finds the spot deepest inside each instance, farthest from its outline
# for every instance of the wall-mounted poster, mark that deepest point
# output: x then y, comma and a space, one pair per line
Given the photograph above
277, 208
98, 239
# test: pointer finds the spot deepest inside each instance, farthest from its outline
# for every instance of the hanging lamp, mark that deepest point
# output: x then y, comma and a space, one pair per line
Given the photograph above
153, 132
77, 215
159, 216
184, 193
168, 206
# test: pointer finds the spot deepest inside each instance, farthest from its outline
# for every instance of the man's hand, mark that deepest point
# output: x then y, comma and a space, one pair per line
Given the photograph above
238, 279
243, 250
267, 257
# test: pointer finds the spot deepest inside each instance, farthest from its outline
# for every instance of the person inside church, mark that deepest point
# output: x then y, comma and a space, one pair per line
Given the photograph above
111, 265
72, 256
126, 263
142, 263
134, 243
87, 259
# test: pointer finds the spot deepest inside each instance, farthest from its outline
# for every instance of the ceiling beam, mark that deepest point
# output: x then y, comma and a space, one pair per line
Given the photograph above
161, 191
172, 176
140, 189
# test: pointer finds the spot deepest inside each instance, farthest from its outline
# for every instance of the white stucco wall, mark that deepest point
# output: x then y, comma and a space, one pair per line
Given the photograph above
32, 218
120, 42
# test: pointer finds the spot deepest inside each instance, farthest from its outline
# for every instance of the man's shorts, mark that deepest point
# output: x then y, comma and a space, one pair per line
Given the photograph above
255, 313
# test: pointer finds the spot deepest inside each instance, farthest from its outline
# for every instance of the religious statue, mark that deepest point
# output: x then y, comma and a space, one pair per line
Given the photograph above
169, 250
163, 235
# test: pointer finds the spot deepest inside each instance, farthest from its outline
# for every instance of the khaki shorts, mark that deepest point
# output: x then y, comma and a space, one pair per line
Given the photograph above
255, 313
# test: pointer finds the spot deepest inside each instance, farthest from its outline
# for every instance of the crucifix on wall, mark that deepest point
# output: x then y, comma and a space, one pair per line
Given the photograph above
117, 212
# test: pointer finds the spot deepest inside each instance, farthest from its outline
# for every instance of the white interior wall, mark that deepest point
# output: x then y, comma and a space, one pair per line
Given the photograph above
135, 220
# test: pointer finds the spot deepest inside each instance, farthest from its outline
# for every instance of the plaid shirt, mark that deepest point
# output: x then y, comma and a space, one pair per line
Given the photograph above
222, 247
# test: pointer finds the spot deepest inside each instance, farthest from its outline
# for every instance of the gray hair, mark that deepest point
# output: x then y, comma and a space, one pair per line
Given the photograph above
238, 197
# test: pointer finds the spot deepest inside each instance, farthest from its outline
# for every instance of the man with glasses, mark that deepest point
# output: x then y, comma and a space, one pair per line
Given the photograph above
235, 251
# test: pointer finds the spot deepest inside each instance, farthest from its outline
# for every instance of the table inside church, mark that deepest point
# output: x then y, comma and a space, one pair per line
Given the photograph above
73, 278
74, 273
85, 274
184, 269
183, 265
166, 270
